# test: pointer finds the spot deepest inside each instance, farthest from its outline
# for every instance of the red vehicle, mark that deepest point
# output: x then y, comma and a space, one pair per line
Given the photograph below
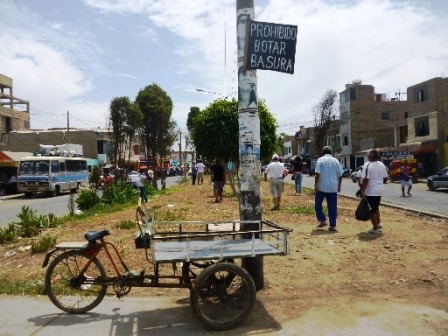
395, 171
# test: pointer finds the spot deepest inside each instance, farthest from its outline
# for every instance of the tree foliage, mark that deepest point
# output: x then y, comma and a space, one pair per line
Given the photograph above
325, 114
118, 109
132, 122
215, 133
194, 112
157, 131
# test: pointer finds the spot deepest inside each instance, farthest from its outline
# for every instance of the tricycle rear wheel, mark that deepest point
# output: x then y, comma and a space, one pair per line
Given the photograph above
222, 296
71, 291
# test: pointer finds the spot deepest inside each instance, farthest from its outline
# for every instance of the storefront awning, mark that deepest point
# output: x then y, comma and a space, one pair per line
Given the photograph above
11, 159
419, 147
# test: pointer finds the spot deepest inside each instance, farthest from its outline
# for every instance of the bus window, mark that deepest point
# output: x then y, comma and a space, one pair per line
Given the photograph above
42, 167
55, 166
62, 166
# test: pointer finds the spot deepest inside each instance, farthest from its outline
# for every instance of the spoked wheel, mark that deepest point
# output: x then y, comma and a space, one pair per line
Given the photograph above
71, 291
222, 296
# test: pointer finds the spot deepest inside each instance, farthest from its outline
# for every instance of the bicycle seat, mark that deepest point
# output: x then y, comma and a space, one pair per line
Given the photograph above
95, 235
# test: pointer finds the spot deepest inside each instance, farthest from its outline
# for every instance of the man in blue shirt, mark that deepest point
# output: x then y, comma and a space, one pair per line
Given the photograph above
327, 185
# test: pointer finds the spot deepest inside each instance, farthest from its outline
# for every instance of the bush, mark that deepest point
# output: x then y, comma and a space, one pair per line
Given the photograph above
120, 192
87, 200
43, 244
126, 225
31, 223
8, 234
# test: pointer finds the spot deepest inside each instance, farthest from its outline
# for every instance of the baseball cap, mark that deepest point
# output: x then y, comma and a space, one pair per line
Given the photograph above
275, 157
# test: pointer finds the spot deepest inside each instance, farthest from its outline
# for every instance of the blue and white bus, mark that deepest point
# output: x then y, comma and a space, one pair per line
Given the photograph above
51, 174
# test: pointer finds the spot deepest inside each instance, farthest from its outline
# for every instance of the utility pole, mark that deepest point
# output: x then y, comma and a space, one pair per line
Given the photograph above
249, 139
180, 148
68, 134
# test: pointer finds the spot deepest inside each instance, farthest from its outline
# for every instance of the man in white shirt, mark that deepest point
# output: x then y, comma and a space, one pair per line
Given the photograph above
374, 174
274, 173
200, 172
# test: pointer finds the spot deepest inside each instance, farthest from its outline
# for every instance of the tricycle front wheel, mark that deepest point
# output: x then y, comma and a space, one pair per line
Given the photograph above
70, 290
222, 296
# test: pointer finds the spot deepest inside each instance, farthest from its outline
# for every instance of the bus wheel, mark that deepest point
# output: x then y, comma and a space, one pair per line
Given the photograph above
55, 192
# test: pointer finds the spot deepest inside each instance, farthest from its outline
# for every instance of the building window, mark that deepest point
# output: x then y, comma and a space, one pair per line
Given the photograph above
344, 118
385, 115
352, 94
406, 114
421, 94
345, 140
421, 126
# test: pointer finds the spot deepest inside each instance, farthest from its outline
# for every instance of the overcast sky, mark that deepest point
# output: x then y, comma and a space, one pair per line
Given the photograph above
77, 55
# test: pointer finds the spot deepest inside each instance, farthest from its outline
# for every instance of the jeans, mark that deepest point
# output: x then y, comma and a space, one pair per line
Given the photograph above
143, 194
332, 204
193, 178
298, 182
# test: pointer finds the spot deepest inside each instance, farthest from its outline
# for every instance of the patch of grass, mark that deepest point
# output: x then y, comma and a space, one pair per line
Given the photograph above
126, 225
43, 244
33, 286
302, 210
170, 215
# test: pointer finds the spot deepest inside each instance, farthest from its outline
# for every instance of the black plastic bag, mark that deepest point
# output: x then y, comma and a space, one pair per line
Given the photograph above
363, 211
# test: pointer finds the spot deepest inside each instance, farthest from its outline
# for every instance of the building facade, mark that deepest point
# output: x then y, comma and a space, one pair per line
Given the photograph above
14, 112
96, 143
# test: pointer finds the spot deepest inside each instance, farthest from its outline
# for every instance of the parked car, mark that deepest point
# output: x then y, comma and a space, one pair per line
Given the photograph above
132, 179
440, 180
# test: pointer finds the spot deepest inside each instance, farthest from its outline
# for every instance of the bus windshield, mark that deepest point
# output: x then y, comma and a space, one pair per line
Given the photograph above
40, 167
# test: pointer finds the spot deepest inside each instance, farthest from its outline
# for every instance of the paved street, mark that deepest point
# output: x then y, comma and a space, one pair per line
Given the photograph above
433, 202
44, 204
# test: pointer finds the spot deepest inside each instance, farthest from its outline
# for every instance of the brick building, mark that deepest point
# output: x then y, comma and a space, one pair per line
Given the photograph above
14, 112
423, 133
94, 142
367, 121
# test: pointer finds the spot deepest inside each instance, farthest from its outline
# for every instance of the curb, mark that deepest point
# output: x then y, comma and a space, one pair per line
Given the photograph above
418, 212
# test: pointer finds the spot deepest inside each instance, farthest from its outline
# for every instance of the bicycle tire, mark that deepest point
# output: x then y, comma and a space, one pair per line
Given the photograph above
222, 296
66, 291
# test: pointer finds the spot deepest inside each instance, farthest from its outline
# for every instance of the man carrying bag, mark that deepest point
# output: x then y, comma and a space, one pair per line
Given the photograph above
374, 175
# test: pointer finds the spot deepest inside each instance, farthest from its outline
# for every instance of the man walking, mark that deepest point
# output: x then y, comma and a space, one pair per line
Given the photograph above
405, 178
201, 169
327, 185
194, 171
297, 168
141, 186
274, 173
218, 179
374, 174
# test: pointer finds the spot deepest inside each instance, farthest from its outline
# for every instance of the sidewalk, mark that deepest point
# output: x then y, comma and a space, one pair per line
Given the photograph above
36, 316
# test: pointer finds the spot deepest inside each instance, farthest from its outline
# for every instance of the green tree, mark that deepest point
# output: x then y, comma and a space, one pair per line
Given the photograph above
133, 120
158, 129
118, 109
194, 112
216, 135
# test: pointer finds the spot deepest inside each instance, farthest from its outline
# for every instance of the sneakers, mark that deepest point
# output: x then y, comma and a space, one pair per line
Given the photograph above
380, 226
373, 231
332, 228
322, 224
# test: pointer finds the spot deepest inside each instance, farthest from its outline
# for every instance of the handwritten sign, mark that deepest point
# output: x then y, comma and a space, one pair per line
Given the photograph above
271, 46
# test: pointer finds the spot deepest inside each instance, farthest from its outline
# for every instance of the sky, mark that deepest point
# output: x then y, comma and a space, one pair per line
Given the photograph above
78, 55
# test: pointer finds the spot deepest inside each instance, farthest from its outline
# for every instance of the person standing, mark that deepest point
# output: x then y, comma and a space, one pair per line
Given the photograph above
200, 173
297, 170
194, 171
141, 186
274, 173
405, 178
327, 181
374, 175
218, 178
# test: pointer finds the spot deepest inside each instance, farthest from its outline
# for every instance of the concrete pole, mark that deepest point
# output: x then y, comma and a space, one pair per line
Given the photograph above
249, 139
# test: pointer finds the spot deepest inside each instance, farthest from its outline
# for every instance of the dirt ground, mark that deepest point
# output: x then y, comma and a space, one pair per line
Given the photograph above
349, 273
